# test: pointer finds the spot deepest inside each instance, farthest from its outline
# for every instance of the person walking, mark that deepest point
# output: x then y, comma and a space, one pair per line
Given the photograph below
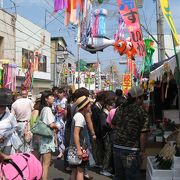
130, 128
44, 146
78, 137
22, 109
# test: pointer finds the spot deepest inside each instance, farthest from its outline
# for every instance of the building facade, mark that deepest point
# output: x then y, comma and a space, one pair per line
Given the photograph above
33, 55
62, 63
7, 36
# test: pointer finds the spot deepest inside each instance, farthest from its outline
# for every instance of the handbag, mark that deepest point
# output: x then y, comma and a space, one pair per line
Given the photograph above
16, 141
42, 129
27, 133
72, 157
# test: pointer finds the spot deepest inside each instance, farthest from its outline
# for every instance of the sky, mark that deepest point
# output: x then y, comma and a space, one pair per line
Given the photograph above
34, 10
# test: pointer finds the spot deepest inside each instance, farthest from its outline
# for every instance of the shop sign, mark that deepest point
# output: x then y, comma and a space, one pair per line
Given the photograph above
127, 78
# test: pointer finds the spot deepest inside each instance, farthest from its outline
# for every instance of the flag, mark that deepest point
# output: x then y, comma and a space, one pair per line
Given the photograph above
129, 13
168, 16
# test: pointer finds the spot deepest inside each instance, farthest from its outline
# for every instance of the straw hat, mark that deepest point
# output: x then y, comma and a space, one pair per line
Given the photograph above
82, 102
5, 97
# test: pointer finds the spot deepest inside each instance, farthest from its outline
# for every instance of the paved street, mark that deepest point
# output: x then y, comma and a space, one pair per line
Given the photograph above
57, 172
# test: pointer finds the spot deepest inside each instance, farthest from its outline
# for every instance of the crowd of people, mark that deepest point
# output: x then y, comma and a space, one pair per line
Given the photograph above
107, 129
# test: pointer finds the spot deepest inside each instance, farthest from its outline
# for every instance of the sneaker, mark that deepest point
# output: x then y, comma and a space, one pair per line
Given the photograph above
105, 173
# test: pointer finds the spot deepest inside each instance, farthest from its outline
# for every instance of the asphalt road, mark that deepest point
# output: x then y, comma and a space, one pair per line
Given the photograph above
57, 172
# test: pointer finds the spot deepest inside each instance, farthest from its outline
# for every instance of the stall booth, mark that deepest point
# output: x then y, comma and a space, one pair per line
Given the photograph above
164, 106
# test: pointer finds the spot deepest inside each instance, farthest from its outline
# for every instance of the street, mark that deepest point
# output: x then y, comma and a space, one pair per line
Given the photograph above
57, 172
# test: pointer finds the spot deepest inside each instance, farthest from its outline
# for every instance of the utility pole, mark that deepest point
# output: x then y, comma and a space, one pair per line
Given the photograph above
78, 60
160, 32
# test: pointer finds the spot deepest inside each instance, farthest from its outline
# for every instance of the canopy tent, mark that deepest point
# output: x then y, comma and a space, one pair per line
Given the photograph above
158, 69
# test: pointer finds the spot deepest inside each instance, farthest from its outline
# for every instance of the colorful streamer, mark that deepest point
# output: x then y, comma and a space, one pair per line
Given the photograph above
59, 5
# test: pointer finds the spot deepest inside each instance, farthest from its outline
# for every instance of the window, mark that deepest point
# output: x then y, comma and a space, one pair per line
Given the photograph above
42, 63
27, 57
39, 61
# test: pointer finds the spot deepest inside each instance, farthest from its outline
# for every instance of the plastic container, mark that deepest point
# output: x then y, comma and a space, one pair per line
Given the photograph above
157, 174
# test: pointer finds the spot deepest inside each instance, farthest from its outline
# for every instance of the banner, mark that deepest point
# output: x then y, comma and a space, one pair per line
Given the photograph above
129, 13
168, 16
127, 78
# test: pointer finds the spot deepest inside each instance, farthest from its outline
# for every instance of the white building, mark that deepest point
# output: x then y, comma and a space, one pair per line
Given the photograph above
168, 42
33, 45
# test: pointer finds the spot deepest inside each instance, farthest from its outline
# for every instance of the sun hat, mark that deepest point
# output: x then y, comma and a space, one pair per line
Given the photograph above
136, 91
5, 97
82, 102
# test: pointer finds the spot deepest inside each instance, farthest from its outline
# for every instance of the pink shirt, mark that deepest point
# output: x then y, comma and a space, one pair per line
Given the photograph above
110, 116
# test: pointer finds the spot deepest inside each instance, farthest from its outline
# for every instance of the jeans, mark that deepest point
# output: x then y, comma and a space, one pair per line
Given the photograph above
126, 164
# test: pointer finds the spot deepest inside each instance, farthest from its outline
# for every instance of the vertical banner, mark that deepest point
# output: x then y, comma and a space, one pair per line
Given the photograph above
127, 78
168, 16
129, 13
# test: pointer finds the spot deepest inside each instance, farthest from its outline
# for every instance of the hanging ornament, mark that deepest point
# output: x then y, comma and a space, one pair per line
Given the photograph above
100, 1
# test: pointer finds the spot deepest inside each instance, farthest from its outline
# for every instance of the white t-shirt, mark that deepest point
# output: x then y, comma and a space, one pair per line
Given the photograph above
79, 120
47, 116
22, 109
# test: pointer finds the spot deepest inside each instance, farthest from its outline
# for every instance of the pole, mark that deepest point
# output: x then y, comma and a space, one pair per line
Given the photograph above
78, 59
160, 32
178, 73
153, 38
45, 20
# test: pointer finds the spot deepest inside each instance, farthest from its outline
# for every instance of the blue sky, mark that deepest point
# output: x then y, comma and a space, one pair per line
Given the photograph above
34, 10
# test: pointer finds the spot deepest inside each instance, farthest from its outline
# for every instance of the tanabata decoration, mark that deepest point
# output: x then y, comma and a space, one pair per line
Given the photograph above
100, 1
148, 61
125, 47
96, 41
9, 76
59, 5
129, 13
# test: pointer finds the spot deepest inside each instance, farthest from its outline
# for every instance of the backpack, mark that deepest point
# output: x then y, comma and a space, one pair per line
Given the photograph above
22, 166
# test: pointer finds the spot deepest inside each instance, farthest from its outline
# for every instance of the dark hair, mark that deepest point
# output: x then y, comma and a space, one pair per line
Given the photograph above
61, 90
100, 96
118, 92
80, 92
110, 98
37, 104
45, 94
55, 88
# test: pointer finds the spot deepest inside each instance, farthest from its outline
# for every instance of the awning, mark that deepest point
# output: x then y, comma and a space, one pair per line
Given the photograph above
159, 70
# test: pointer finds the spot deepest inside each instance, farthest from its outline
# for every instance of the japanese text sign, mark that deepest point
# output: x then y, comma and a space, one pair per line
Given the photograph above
126, 83
129, 13
167, 14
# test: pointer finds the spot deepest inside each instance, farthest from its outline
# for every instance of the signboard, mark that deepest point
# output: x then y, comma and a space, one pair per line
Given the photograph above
129, 13
127, 78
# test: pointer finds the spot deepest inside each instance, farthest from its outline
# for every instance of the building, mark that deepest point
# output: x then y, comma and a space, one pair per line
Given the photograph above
90, 76
62, 63
33, 55
168, 43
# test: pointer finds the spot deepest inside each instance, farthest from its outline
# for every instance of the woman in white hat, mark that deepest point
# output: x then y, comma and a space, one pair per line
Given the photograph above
78, 139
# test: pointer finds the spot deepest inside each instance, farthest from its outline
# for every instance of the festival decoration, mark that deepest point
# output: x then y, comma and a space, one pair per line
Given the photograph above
121, 29
95, 41
125, 47
9, 76
100, 1
167, 14
147, 62
127, 82
59, 5
129, 13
